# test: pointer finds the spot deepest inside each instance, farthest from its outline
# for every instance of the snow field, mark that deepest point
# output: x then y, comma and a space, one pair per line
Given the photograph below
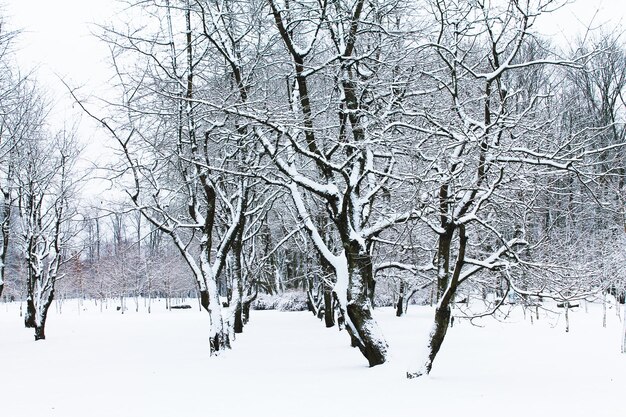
289, 364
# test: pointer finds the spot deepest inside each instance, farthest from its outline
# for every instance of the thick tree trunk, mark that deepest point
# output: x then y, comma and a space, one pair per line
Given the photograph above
40, 326
245, 311
443, 311
437, 335
40, 332
219, 339
204, 299
219, 342
246, 305
371, 285
1, 288
399, 306
363, 329
310, 301
443, 260
369, 337
41, 315
238, 325
29, 316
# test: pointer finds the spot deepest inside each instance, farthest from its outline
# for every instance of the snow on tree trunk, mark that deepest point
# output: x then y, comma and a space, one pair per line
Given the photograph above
353, 269
352, 293
445, 293
42, 314
29, 316
371, 341
219, 339
40, 287
443, 311
436, 337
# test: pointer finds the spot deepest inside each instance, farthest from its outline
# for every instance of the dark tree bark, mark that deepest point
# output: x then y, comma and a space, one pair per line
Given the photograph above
443, 257
438, 334
204, 299
246, 312
400, 304
238, 325
29, 316
329, 311
370, 346
219, 342
443, 310
363, 328
310, 299
40, 322
238, 277
354, 287
40, 332
245, 307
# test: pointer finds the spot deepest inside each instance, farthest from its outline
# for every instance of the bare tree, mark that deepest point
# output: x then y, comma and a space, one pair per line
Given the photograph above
186, 170
46, 189
489, 139
340, 61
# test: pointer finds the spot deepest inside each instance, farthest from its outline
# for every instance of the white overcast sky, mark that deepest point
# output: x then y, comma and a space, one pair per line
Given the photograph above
57, 40
57, 37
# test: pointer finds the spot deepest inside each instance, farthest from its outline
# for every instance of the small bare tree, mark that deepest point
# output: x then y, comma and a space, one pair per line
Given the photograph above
46, 190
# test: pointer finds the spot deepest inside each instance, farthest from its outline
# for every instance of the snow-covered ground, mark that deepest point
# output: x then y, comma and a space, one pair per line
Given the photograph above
287, 364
